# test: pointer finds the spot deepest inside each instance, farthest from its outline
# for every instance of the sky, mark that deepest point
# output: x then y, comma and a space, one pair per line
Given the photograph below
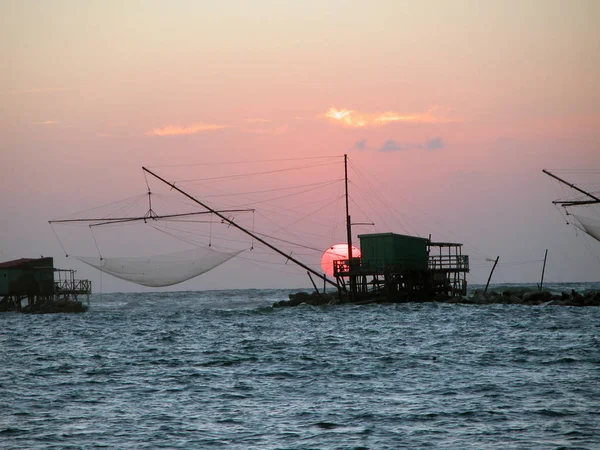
455, 107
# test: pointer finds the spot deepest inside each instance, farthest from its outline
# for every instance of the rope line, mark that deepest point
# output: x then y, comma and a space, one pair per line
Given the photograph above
230, 177
96, 242
247, 162
59, 241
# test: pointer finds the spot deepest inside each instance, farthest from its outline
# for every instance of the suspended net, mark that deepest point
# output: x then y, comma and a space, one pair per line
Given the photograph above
162, 270
589, 225
299, 214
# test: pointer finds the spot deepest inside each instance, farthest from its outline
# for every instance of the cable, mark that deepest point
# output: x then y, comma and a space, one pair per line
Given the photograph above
246, 162
321, 183
269, 200
432, 218
230, 177
59, 241
95, 242
128, 199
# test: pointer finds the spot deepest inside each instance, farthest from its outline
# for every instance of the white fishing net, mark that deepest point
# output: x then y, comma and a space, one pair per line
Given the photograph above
162, 270
590, 226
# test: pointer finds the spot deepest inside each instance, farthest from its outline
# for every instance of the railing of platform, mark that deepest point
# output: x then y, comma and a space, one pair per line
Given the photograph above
342, 266
449, 262
84, 286
436, 262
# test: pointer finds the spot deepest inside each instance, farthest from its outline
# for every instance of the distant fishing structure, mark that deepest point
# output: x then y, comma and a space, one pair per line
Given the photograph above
43, 288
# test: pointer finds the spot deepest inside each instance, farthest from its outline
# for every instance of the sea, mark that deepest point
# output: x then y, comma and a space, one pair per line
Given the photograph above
224, 369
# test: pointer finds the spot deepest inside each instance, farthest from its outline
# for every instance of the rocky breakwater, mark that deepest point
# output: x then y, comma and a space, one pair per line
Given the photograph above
517, 296
56, 306
315, 299
526, 296
42, 306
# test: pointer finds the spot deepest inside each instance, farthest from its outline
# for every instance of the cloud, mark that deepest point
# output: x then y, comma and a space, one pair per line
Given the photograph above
345, 117
434, 144
359, 145
432, 116
47, 122
392, 146
177, 130
354, 119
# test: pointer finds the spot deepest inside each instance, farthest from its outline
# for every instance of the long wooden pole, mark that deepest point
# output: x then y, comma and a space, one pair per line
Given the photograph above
313, 283
543, 269
572, 186
352, 278
235, 225
348, 222
115, 220
491, 273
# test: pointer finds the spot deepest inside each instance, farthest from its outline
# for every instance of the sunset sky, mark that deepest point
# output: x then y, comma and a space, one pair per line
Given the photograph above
456, 105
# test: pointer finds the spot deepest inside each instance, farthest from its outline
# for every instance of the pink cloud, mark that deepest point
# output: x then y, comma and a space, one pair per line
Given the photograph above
345, 117
354, 119
177, 130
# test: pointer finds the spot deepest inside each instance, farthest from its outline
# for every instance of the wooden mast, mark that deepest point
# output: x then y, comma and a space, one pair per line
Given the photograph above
541, 285
154, 216
491, 273
352, 278
348, 222
235, 225
572, 186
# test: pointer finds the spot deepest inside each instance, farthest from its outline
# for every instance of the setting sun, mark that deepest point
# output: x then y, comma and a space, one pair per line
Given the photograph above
335, 253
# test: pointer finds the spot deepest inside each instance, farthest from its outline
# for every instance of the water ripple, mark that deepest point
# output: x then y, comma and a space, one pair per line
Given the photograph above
225, 370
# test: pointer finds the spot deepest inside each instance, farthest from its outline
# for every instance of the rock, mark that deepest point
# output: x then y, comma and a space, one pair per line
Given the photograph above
517, 292
591, 299
509, 296
479, 298
535, 298
314, 299
576, 299
57, 306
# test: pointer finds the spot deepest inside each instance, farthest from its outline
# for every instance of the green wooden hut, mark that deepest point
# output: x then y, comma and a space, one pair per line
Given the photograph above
393, 252
27, 277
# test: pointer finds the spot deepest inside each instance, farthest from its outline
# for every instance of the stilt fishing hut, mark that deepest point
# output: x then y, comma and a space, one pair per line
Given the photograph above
394, 266
403, 267
44, 288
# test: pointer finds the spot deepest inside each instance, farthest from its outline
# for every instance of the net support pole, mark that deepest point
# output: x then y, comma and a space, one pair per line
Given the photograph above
571, 185
239, 227
491, 273
313, 283
351, 278
543, 270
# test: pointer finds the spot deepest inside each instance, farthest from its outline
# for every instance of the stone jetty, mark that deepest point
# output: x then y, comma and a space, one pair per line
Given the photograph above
516, 296
526, 296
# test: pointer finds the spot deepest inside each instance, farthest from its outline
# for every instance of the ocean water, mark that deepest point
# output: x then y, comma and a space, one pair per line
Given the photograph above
223, 369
